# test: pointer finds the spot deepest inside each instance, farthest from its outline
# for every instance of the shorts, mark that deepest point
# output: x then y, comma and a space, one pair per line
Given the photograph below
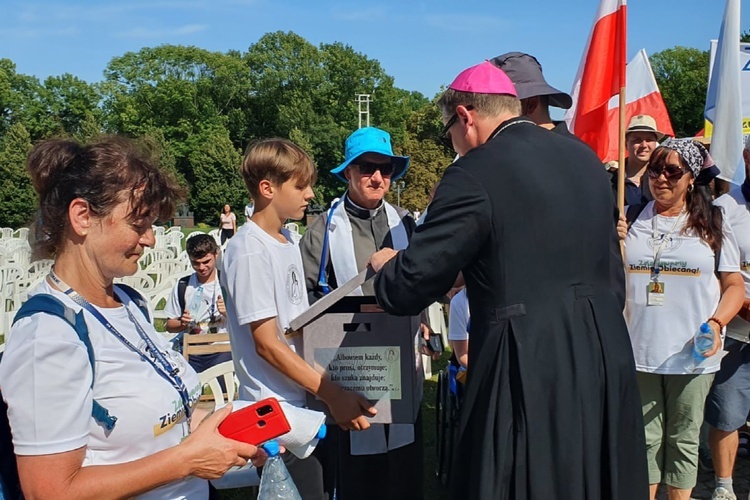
728, 403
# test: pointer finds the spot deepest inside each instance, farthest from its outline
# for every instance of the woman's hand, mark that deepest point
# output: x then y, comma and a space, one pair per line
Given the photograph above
622, 227
717, 339
210, 454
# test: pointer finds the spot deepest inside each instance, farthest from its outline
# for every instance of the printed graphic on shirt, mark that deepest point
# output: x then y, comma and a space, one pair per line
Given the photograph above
293, 285
671, 267
168, 420
667, 244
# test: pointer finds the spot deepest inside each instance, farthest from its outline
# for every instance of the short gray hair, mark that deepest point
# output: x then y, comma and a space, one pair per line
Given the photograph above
485, 104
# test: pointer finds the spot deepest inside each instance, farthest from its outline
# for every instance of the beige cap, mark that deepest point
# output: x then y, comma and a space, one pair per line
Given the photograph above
644, 123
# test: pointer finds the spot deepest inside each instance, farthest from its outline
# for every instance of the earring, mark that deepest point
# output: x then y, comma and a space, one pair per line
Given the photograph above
690, 188
84, 232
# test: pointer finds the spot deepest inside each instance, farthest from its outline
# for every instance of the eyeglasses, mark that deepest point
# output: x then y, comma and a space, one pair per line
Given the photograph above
445, 134
671, 172
369, 168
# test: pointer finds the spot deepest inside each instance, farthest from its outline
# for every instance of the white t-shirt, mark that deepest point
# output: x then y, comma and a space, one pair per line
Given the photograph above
661, 335
458, 318
737, 213
227, 220
46, 381
249, 209
210, 296
263, 278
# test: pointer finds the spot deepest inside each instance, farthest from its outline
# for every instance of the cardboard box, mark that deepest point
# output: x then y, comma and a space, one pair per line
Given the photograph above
361, 348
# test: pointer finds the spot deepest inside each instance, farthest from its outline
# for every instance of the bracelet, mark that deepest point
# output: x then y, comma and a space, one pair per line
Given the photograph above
717, 321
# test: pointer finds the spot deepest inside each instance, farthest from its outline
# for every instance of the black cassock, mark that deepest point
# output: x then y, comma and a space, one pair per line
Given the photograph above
551, 407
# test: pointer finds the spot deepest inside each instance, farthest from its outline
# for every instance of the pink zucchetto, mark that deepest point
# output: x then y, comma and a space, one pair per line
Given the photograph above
485, 78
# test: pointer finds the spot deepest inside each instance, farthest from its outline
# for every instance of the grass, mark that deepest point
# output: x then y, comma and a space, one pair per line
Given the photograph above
433, 489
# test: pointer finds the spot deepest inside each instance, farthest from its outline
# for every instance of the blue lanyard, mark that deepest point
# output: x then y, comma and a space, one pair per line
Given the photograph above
322, 281
163, 368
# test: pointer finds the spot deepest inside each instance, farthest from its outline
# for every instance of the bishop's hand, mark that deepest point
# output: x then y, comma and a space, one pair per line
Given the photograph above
379, 259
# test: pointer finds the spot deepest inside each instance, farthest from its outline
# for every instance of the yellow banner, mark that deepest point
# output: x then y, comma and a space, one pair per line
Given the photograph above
708, 131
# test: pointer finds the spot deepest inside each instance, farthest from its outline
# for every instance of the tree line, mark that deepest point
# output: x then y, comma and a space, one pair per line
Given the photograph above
197, 110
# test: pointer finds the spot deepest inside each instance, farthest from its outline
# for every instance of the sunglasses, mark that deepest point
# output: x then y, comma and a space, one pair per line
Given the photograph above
445, 134
369, 168
671, 172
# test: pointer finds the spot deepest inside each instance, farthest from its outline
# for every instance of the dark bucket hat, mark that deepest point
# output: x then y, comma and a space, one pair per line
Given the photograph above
526, 73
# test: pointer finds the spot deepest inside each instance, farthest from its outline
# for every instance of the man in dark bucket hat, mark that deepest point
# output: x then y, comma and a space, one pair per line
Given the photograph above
535, 93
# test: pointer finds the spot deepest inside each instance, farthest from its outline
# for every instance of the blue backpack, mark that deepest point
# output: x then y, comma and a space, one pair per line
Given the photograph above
10, 486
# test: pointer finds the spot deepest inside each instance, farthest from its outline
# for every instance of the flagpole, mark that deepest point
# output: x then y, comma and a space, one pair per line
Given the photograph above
621, 154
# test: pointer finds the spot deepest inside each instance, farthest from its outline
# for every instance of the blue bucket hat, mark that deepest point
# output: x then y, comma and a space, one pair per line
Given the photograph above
370, 140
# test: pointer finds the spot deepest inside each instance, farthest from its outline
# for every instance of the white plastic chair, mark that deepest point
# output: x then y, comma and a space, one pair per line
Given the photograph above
22, 233
236, 477
141, 281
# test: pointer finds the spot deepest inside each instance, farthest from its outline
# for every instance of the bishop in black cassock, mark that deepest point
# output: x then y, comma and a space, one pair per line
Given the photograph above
551, 407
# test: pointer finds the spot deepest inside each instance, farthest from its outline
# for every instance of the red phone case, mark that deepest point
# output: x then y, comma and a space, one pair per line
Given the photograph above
257, 423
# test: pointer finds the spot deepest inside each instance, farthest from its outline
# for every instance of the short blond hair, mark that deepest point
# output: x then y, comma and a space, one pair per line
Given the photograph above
490, 105
276, 160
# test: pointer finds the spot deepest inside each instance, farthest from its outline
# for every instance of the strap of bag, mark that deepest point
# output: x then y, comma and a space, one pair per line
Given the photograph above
45, 303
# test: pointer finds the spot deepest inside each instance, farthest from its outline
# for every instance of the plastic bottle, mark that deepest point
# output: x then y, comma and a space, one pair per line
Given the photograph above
194, 307
702, 343
275, 481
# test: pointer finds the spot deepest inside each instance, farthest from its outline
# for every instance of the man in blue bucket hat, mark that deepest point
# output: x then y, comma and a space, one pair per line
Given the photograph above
384, 461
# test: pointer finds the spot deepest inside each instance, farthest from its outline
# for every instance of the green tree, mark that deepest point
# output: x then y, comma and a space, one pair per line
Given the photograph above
71, 106
17, 197
214, 174
745, 36
21, 101
429, 158
682, 76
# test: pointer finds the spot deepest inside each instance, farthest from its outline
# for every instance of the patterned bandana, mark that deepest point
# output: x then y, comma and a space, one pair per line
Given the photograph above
694, 153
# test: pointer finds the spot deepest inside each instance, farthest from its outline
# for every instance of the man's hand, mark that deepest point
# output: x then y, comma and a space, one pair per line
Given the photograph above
378, 259
426, 332
349, 410
220, 306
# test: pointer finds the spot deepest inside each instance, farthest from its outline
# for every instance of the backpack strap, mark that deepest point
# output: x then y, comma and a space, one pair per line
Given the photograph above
46, 303
137, 298
181, 289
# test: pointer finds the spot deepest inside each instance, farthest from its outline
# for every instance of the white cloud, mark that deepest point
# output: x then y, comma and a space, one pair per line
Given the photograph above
466, 22
141, 32
371, 14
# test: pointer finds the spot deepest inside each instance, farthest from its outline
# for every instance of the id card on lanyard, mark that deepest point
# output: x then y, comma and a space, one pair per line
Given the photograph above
655, 290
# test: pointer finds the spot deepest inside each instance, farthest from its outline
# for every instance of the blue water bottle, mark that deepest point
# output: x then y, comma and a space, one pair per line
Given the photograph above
275, 481
702, 343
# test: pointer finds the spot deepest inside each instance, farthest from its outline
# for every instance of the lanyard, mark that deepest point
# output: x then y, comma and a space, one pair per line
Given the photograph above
663, 238
322, 279
157, 359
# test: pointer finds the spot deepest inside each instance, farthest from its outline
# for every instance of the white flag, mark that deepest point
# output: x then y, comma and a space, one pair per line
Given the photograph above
723, 102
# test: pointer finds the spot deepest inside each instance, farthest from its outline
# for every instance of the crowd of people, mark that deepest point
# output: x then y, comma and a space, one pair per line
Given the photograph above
574, 329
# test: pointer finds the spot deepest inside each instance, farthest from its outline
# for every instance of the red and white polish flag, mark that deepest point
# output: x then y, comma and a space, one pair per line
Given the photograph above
642, 98
600, 76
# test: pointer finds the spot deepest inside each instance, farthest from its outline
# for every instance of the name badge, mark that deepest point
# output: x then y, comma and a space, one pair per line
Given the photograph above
655, 293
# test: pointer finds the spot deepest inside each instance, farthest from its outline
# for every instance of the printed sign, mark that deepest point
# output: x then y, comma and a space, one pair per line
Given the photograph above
375, 372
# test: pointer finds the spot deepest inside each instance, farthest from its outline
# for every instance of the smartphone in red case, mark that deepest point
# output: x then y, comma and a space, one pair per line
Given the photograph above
257, 423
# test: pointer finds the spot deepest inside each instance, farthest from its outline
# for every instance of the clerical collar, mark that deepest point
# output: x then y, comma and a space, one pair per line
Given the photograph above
362, 213
509, 123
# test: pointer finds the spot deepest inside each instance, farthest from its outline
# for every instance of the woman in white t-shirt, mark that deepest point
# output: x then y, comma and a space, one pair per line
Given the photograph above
97, 205
674, 250
228, 223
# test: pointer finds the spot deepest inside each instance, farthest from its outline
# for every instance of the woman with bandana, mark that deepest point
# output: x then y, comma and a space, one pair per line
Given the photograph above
682, 263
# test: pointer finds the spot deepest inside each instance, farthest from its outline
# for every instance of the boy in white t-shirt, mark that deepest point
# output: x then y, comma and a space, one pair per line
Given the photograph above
202, 291
263, 277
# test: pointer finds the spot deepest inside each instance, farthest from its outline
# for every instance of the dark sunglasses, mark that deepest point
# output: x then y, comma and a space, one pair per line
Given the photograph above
671, 172
369, 168
445, 133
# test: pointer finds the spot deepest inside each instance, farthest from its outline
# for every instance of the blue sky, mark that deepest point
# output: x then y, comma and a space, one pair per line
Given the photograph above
422, 44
